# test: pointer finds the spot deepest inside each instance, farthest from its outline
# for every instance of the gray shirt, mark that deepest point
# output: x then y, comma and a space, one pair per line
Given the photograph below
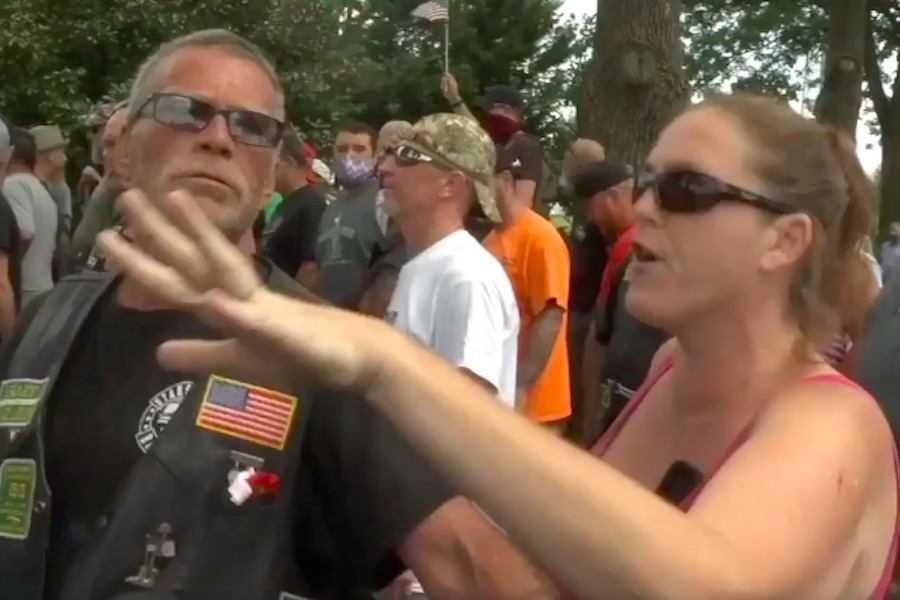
37, 216
348, 233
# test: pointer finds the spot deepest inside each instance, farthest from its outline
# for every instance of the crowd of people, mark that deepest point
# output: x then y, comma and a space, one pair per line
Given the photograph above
238, 366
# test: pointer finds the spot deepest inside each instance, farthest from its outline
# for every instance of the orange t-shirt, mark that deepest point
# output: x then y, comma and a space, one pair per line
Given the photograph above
536, 259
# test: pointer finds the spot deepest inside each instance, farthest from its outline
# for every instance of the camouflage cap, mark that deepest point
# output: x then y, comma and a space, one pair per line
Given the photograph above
461, 143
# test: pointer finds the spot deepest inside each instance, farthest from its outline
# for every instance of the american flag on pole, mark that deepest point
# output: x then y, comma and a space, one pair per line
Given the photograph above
433, 11
247, 412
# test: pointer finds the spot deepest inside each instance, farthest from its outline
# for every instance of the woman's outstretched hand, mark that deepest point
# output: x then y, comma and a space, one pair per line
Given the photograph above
182, 259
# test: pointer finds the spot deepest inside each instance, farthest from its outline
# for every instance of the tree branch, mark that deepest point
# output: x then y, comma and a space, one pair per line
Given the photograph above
873, 76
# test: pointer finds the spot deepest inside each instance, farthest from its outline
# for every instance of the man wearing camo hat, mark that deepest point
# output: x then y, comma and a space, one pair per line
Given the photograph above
452, 295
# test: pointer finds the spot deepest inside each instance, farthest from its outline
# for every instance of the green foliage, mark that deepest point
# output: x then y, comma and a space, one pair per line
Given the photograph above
338, 59
769, 46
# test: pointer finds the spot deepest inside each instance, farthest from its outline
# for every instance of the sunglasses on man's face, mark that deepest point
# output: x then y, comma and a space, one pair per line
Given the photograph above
407, 156
186, 113
691, 192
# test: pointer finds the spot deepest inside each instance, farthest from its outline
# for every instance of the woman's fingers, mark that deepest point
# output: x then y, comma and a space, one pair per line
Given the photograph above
233, 271
159, 280
155, 233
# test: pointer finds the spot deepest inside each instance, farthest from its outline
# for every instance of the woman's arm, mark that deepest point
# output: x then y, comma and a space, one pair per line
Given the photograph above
772, 521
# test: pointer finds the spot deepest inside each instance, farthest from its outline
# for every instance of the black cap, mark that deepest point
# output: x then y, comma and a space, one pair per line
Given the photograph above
599, 176
501, 94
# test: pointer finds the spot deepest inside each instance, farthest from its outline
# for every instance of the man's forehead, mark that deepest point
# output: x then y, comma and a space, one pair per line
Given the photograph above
219, 77
348, 137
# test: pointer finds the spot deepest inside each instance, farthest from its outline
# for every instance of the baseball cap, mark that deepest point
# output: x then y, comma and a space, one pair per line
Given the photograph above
463, 144
48, 137
598, 176
501, 94
391, 133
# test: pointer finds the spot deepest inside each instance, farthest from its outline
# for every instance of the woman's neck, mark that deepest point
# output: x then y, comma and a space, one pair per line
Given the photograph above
732, 363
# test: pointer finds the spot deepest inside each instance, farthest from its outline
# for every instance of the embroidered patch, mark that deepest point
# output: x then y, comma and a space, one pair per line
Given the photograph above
160, 410
247, 412
17, 483
19, 399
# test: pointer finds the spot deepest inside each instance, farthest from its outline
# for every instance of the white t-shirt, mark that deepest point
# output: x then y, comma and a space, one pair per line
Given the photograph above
37, 216
457, 300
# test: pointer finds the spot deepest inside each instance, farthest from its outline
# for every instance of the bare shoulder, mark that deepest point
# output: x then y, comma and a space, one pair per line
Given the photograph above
833, 416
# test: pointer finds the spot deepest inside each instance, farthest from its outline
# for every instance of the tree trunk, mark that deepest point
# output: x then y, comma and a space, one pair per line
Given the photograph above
637, 83
887, 108
890, 167
841, 96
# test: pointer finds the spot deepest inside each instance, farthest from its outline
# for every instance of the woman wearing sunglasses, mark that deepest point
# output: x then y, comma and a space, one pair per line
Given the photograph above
745, 468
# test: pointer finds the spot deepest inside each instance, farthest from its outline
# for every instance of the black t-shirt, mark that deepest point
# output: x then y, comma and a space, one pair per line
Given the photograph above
290, 238
112, 401
12, 246
589, 256
631, 346
361, 487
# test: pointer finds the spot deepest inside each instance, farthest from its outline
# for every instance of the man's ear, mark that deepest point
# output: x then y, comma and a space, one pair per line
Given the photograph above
787, 240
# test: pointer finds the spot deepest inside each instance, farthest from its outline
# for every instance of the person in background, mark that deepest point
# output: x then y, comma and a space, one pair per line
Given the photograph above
503, 117
452, 295
10, 254
536, 259
92, 173
289, 238
389, 254
890, 253
618, 348
101, 212
349, 229
589, 255
36, 214
50, 168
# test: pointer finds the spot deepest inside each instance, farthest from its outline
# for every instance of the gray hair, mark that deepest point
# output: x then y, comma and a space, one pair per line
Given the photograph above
146, 83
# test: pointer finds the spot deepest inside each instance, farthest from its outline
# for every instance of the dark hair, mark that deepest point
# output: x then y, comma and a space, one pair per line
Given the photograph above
814, 168
357, 127
24, 150
598, 176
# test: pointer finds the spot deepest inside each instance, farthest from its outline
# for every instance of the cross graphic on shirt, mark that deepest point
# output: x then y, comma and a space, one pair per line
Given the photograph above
335, 235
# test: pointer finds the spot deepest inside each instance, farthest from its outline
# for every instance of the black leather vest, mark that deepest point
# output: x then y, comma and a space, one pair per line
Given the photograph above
221, 550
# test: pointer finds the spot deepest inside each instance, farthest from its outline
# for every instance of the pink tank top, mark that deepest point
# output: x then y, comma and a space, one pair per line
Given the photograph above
613, 432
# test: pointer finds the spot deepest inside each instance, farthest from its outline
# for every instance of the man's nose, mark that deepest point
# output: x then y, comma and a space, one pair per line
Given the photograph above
216, 138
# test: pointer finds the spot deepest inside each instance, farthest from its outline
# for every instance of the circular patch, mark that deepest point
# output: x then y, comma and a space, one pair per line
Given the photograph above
159, 412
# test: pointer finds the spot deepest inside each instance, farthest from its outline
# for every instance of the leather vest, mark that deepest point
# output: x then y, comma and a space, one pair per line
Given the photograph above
213, 548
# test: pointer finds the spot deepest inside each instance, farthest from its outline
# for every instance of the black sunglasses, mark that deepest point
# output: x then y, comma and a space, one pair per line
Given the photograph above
691, 192
192, 114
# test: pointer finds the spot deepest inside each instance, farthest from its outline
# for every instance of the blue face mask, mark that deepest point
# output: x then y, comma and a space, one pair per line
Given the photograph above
353, 171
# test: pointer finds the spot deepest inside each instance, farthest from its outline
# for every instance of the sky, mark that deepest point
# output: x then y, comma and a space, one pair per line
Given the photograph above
869, 145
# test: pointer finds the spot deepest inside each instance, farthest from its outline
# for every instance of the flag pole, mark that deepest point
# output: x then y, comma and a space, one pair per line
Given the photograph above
447, 41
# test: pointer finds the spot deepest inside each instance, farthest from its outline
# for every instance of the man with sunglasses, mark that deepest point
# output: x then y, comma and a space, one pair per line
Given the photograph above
619, 348
452, 295
120, 479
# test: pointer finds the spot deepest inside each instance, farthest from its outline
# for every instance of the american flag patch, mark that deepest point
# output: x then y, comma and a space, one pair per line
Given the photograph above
247, 412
